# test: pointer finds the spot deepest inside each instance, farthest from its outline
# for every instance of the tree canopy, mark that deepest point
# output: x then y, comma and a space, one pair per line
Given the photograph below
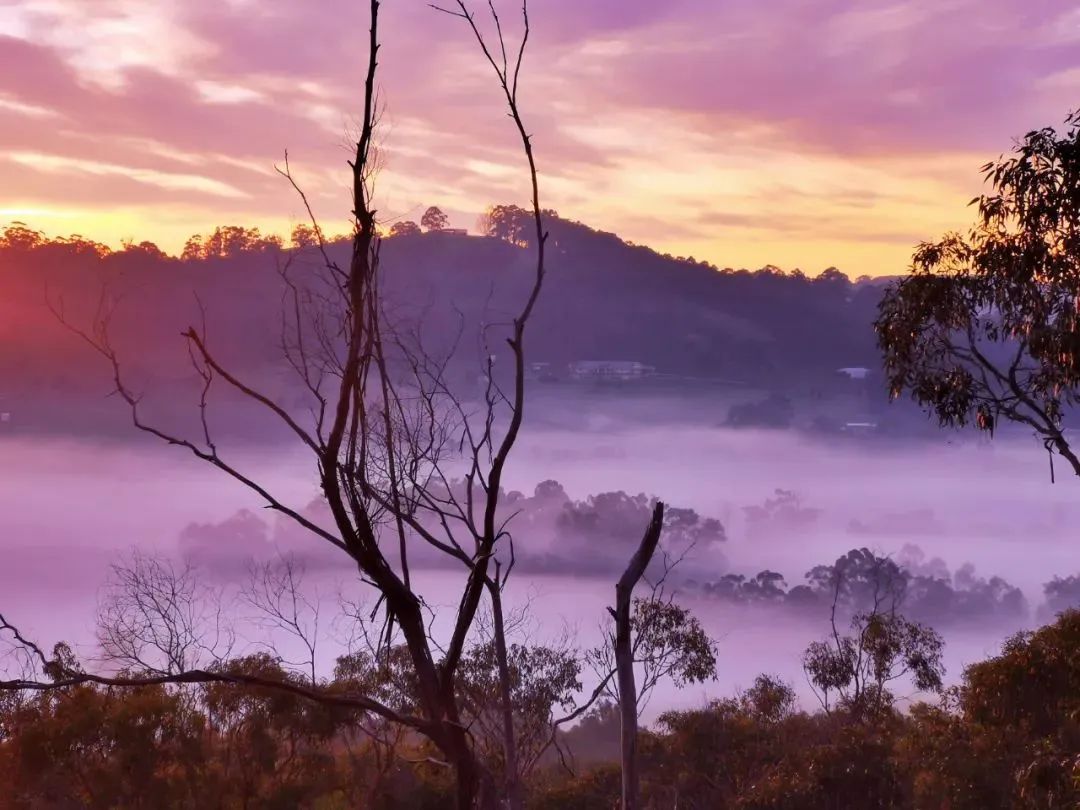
434, 220
987, 326
404, 228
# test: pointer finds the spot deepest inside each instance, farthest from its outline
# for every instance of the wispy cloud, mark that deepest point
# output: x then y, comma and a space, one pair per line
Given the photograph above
24, 109
164, 180
835, 132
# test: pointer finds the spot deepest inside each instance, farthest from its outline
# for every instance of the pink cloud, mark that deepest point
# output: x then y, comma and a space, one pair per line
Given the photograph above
879, 78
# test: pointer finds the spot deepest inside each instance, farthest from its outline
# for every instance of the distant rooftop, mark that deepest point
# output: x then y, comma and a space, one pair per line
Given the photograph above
610, 368
855, 372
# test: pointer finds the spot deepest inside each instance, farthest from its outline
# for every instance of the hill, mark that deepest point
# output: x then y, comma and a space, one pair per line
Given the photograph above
605, 299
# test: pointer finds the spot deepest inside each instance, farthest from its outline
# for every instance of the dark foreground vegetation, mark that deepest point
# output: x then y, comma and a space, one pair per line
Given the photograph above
1007, 737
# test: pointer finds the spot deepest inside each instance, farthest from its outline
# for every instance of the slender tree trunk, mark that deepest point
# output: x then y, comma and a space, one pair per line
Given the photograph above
624, 665
624, 659
514, 795
475, 789
467, 787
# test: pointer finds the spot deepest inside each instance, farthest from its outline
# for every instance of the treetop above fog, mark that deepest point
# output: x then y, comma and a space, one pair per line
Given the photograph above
608, 298
987, 326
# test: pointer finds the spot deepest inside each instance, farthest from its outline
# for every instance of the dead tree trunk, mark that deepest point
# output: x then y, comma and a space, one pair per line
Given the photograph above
624, 658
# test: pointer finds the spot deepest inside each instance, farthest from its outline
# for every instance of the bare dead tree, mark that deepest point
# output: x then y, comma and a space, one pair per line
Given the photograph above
157, 618
652, 636
382, 430
624, 658
275, 591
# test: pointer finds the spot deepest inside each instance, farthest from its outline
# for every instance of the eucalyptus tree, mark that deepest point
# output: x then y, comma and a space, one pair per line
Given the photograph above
986, 328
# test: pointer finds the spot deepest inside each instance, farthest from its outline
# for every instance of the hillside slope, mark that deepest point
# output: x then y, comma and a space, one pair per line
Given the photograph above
604, 299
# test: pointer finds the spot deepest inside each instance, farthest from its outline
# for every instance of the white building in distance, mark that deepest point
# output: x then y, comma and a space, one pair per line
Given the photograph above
610, 370
854, 372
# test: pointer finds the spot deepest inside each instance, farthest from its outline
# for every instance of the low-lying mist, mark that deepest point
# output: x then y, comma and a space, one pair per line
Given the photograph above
976, 527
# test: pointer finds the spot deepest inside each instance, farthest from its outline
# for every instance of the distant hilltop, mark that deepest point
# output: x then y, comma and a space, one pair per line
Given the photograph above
623, 308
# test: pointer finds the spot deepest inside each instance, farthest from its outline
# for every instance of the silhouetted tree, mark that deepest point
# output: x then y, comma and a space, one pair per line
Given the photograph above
226, 241
305, 236
655, 635
1062, 594
506, 222
19, 236
987, 326
405, 227
143, 249
622, 647
858, 669
434, 220
157, 618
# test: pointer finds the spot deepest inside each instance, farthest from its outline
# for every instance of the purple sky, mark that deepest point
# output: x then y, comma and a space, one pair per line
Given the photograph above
740, 131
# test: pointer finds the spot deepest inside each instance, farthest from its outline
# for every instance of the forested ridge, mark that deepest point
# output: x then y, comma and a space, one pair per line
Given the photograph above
608, 300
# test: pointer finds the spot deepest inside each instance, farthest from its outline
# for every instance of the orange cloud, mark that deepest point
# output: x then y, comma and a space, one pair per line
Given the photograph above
745, 134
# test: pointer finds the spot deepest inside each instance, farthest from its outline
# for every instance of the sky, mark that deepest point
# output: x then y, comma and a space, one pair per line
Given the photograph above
802, 133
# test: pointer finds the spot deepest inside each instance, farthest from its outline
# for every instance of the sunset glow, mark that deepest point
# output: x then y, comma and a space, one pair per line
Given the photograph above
803, 135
